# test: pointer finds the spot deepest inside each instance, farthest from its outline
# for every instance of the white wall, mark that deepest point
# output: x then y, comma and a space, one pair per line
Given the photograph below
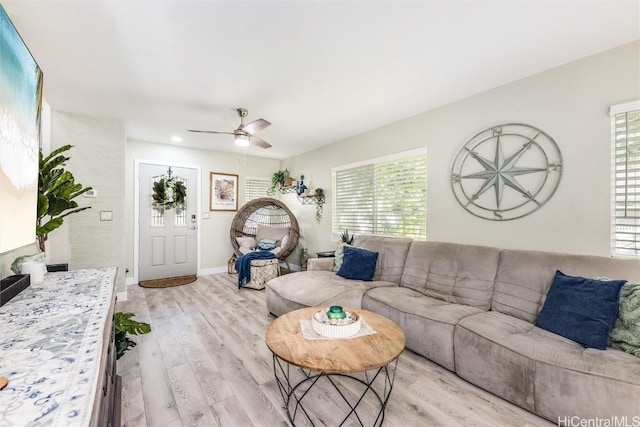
213, 232
97, 160
570, 103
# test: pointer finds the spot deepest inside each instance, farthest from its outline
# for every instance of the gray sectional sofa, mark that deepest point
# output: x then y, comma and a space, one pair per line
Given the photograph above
472, 309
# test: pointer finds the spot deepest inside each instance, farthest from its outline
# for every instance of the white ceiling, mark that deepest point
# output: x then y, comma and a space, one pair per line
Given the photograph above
320, 71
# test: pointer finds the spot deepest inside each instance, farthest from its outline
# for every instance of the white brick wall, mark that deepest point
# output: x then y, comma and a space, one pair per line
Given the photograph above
97, 160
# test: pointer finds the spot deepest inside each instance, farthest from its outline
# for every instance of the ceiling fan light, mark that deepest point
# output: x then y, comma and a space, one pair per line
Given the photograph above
242, 140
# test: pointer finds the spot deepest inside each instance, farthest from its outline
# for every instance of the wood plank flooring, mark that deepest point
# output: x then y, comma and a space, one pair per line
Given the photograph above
205, 363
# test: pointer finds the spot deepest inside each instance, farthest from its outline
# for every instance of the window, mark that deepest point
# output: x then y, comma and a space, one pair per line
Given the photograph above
255, 188
625, 210
384, 197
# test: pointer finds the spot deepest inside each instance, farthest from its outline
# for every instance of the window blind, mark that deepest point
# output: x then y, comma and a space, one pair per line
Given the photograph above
625, 219
385, 197
255, 188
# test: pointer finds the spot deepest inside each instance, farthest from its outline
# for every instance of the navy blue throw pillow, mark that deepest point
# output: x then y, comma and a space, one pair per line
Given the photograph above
358, 264
583, 310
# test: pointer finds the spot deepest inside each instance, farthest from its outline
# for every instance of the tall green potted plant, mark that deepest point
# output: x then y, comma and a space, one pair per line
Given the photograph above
56, 190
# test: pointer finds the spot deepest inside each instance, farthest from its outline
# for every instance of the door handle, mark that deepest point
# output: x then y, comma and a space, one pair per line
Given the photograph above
193, 227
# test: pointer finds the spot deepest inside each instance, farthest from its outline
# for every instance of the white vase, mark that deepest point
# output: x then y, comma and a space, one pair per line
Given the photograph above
36, 270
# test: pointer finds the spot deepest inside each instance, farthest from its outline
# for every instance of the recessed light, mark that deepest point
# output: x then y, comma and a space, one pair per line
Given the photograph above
176, 138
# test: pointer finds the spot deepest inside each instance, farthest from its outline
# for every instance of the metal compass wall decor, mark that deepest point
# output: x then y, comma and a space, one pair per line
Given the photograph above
506, 172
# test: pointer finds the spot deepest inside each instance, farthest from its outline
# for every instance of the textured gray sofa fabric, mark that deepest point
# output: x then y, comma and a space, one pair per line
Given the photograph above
461, 274
560, 390
318, 288
524, 277
544, 372
428, 323
487, 363
392, 253
472, 309
324, 287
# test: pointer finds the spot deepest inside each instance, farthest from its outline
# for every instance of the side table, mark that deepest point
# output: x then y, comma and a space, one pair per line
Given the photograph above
326, 254
356, 374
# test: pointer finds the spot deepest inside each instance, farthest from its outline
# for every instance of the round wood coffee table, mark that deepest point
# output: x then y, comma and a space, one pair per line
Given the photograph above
346, 371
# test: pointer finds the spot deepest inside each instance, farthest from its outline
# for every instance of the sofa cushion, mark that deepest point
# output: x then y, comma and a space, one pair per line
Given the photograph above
267, 244
392, 253
607, 385
492, 351
581, 309
524, 277
428, 323
358, 264
506, 356
246, 242
338, 257
316, 288
625, 335
461, 274
269, 232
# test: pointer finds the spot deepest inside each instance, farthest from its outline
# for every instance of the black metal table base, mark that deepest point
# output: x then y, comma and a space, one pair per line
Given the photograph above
377, 382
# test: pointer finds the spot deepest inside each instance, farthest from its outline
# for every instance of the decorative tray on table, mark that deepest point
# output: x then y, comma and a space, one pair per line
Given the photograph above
334, 322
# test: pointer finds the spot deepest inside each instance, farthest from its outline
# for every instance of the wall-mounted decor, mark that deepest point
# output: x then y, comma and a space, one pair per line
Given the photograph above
223, 194
506, 172
169, 192
20, 107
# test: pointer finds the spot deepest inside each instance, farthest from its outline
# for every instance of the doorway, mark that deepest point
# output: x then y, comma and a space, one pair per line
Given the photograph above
167, 237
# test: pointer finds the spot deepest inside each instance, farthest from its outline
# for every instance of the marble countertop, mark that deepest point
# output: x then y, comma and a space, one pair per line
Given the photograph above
50, 347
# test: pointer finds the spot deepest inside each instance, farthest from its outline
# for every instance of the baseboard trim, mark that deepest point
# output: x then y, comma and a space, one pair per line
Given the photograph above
122, 296
212, 270
131, 281
293, 267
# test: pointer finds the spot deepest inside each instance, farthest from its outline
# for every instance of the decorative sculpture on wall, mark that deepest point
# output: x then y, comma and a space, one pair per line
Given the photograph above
506, 172
302, 188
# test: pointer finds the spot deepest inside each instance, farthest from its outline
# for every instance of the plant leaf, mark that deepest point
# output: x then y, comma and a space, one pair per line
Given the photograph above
123, 322
49, 226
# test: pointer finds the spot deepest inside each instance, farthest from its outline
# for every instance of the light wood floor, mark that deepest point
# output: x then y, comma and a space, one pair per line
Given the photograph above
205, 363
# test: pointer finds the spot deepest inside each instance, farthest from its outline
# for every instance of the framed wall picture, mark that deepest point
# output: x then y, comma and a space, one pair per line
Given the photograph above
223, 194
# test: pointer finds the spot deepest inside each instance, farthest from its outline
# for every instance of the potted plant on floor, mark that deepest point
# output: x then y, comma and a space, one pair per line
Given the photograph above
124, 325
56, 190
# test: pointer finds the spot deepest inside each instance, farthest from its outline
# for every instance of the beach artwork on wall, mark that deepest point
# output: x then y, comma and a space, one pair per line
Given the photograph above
20, 109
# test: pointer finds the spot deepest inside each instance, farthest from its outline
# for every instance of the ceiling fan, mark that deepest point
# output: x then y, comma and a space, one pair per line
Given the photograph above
244, 134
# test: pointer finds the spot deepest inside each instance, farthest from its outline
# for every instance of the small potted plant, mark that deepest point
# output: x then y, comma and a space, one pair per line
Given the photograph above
319, 195
346, 238
277, 180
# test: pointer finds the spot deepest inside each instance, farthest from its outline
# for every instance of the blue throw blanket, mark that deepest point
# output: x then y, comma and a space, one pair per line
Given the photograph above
243, 265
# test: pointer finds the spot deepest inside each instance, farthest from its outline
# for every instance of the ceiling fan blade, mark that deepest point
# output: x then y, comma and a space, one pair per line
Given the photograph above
209, 131
259, 142
255, 126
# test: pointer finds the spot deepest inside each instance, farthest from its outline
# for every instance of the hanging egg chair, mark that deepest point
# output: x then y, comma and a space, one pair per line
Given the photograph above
266, 217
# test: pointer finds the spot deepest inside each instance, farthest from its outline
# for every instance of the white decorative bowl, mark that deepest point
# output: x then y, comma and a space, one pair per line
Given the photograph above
342, 328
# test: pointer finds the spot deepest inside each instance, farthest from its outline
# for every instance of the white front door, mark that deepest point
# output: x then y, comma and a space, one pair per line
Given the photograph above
168, 237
